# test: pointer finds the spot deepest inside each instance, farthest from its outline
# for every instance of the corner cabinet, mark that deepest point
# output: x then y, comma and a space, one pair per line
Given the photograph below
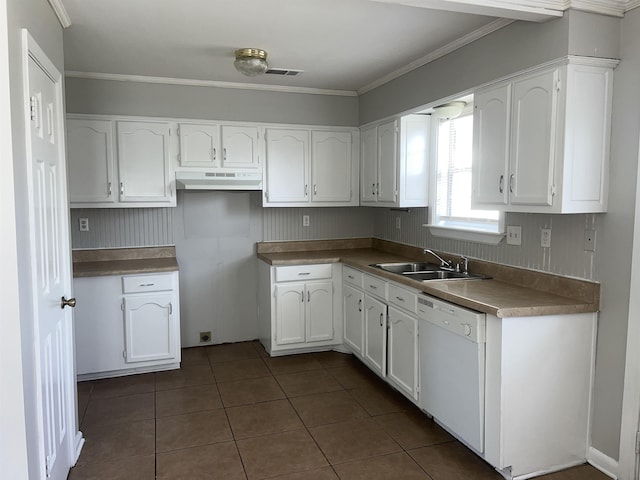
310, 167
541, 140
116, 164
299, 307
395, 162
126, 324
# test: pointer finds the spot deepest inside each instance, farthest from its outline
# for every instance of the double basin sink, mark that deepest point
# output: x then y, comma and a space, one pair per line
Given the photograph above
426, 272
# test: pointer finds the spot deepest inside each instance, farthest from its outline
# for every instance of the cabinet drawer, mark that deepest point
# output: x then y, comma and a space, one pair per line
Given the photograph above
302, 272
351, 276
375, 286
147, 283
402, 298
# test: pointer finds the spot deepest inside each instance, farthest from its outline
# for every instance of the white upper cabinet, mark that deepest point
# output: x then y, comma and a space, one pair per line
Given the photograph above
240, 147
286, 166
331, 166
90, 161
143, 160
394, 163
541, 140
199, 145
219, 146
310, 167
115, 163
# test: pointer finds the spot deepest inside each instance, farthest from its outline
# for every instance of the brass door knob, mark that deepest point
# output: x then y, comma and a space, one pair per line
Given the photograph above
67, 303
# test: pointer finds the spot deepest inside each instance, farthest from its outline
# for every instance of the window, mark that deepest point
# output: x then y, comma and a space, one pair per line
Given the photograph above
452, 205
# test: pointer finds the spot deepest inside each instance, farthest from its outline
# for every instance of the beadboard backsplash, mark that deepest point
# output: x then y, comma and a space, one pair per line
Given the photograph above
143, 227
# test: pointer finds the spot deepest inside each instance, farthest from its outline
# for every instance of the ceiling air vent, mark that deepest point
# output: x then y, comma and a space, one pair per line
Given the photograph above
284, 71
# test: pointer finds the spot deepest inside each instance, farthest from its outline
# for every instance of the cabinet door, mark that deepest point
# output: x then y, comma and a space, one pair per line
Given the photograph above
98, 329
331, 166
369, 164
403, 352
319, 314
90, 161
240, 147
413, 178
375, 345
287, 164
353, 312
149, 327
386, 186
199, 145
535, 106
491, 120
143, 159
290, 313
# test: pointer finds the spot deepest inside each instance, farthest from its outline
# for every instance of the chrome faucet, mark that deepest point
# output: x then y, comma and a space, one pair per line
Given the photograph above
464, 264
443, 262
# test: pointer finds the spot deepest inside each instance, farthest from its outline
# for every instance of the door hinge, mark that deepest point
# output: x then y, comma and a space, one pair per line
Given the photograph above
553, 190
637, 442
33, 108
170, 309
122, 306
558, 84
124, 354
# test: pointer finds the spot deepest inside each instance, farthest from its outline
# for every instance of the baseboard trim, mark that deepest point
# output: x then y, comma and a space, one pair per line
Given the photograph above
602, 462
79, 443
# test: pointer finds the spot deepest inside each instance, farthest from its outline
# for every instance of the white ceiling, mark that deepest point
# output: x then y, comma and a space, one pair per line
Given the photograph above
345, 45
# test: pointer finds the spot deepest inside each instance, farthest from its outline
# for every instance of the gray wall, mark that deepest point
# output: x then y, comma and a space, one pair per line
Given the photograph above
615, 242
39, 19
518, 46
209, 103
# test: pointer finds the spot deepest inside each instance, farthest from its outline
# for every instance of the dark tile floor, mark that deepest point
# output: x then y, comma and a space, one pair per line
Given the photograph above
232, 412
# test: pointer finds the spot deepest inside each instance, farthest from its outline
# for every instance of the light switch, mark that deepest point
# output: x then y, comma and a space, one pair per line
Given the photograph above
514, 235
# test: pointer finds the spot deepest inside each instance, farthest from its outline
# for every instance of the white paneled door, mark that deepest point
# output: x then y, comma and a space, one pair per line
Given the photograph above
50, 264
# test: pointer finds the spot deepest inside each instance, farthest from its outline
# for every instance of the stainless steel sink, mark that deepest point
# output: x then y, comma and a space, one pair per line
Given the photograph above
442, 275
425, 272
407, 267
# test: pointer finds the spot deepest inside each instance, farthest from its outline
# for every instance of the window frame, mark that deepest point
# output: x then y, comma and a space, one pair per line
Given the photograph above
460, 229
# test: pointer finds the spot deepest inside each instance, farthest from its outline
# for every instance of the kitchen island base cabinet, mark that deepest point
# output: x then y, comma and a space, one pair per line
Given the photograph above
299, 308
126, 324
539, 376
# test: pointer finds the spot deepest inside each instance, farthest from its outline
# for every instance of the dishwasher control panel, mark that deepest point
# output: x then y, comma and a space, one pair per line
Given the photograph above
453, 318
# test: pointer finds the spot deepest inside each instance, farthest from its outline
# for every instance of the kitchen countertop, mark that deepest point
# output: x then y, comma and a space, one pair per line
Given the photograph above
124, 261
512, 291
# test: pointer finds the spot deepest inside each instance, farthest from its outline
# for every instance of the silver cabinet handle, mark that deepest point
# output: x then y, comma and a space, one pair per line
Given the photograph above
214, 153
302, 296
146, 285
350, 277
373, 287
373, 189
308, 296
360, 305
224, 153
511, 182
501, 184
381, 315
304, 273
109, 192
315, 189
121, 188
306, 190
400, 299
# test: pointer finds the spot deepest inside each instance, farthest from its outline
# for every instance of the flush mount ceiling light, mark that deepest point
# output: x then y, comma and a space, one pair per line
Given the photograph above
449, 110
251, 61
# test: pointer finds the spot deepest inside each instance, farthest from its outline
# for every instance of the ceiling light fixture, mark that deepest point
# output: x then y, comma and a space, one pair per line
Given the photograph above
251, 61
449, 110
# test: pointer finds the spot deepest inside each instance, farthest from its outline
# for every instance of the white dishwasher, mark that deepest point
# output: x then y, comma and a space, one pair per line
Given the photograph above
452, 364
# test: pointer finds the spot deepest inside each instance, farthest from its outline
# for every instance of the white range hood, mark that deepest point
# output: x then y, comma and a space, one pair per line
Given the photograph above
218, 181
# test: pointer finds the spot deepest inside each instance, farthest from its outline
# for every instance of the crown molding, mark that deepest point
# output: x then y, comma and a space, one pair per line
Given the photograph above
440, 52
631, 4
61, 13
615, 8
207, 83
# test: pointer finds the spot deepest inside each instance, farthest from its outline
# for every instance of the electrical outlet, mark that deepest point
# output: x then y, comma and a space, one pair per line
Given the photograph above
514, 235
398, 223
545, 238
205, 337
84, 224
590, 240
305, 221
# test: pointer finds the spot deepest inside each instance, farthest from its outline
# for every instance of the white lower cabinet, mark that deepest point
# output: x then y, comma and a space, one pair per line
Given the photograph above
375, 327
403, 352
126, 324
380, 327
299, 308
